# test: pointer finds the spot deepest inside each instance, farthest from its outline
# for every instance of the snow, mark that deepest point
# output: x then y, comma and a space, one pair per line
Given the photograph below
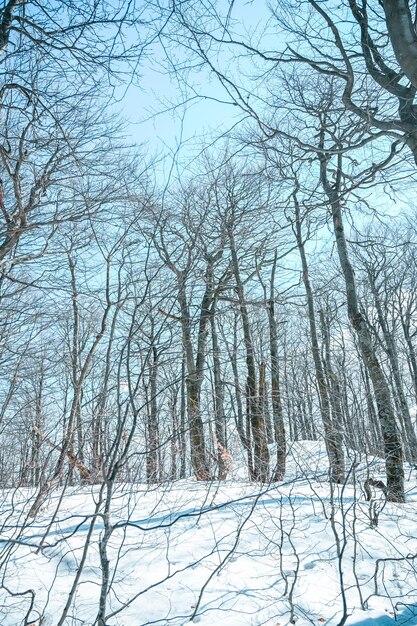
232, 554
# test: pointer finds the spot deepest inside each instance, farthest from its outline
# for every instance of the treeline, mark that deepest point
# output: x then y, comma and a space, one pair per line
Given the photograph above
266, 296
188, 334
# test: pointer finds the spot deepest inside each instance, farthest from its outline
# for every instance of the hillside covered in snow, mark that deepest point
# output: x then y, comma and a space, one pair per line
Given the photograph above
220, 553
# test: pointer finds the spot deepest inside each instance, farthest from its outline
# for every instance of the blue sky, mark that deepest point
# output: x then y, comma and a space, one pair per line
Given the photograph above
156, 112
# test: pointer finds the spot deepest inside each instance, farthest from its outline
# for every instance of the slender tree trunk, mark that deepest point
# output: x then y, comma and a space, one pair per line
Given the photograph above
97, 426
373, 421
183, 409
277, 411
289, 389
152, 469
348, 427
199, 459
333, 383
238, 395
36, 437
172, 403
263, 402
254, 412
312, 434
219, 418
334, 450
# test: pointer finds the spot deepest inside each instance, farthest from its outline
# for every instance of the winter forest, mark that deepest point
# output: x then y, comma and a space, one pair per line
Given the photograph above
208, 312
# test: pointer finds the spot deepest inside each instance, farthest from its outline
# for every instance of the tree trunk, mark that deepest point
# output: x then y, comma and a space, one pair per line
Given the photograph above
199, 459
334, 450
152, 469
277, 412
333, 384
219, 419
182, 437
392, 444
238, 394
402, 33
36, 436
254, 412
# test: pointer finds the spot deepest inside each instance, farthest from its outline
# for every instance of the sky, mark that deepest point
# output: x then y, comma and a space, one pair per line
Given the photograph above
175, 129
157, 115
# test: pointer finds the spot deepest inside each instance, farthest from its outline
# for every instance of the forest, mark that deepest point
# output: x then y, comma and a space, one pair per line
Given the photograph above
208, 312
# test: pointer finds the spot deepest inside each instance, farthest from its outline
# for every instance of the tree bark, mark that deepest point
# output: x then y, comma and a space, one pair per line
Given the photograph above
195, 369
403, 37
152, 469
219, 418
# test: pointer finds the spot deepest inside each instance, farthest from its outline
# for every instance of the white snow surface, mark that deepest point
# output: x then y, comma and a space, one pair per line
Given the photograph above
233, 553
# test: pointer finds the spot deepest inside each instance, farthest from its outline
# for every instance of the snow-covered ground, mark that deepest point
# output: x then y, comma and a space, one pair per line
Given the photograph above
217, 554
